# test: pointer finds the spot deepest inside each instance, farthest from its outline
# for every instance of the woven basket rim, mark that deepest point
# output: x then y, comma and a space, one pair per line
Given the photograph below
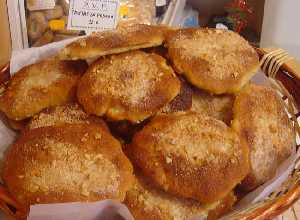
268, 210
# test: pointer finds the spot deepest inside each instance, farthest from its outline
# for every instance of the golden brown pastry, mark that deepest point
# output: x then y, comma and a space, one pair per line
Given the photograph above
35, 87
67, 163
70, 113
216, 106
146, 202
116, 41
129, 86
190, 155
219, 61
223, 207
264, 126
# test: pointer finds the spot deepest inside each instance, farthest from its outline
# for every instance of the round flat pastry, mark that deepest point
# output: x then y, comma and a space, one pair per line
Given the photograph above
67, 164
216, 106
122, 39
70, 113
190, 155
218, 61
262, 123
146, 202
38, 86
129, 86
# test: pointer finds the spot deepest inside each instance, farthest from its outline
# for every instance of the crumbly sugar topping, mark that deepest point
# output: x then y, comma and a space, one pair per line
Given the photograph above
216, 48
156, 200
36, 81
131, 77
272, 138
69, 114
67, 169
198, 139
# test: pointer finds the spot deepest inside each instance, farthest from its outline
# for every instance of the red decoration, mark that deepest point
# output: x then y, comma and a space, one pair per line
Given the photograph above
239, 4
239, 12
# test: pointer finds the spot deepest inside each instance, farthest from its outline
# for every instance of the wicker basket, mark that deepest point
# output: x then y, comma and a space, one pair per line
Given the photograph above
269, 208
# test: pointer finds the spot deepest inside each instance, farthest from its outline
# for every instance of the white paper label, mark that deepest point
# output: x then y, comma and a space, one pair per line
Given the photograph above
34, 5
160, 3
93, 15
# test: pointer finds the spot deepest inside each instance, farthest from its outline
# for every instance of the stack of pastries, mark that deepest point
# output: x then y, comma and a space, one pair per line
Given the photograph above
164, 120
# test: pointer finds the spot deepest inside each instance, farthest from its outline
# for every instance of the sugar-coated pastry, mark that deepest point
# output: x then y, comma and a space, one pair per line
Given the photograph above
38, 86
190, 155
68, 163
219, 61
130, 86
70, 113
146, 202
123, 39
263, 125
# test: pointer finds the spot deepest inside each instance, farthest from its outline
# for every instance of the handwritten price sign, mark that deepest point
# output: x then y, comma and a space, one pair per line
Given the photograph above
93, 15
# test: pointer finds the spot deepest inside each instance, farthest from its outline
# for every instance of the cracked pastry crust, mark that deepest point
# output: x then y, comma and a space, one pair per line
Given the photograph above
67, 163
70, 113
38, 86
190, 155
146, 202
218, 61
129, 86
122, 39
260, 119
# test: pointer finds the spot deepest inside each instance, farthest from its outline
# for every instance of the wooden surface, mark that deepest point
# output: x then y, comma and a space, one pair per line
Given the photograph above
5, 43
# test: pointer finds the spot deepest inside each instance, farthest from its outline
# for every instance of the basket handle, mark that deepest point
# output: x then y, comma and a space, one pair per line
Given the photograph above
9, 206
288, 75
4, 74
292, 66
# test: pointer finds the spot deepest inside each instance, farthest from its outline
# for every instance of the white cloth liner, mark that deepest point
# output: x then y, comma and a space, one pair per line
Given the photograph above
107, 209
69, 211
